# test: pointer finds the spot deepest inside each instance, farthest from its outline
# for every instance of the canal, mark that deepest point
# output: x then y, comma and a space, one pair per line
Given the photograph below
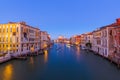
60, 62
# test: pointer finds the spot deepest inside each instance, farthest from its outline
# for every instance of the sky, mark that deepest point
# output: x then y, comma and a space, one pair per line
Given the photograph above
61, 17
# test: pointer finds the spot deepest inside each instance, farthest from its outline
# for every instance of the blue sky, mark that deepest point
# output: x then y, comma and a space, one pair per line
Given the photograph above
61, 17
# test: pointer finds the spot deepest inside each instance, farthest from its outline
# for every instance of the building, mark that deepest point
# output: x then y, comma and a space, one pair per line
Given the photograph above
18, 38
104, 39
78, 40
72, 40
66, 40
88, 39
44, 39
115, 53
61, 39
75, 40
96, 43
83, 41
117, 36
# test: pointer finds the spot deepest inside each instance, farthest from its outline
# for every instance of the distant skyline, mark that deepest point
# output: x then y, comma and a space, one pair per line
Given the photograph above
61, 17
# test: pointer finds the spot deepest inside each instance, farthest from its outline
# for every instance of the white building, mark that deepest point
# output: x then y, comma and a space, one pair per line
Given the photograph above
96, 43
45, 39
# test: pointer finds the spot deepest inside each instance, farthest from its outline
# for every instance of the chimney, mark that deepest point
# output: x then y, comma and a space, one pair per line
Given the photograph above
118, 21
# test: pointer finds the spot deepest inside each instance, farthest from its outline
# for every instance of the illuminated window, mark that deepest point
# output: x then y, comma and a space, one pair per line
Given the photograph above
11, 39
14, 45
3, 39
7, 39
7, 30
11, 29
6, 45
22, 45
3, 30
10, 45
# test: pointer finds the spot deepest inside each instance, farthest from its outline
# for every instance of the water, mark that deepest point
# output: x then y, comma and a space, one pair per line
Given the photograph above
61, 62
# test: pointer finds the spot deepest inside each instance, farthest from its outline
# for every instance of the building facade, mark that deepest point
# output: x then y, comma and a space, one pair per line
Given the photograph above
18, 38
96, 43
45, 39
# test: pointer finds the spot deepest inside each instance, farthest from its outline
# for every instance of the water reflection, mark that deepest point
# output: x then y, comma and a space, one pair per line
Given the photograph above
7, 72
31, 61
78, 52
68, 45
45, 56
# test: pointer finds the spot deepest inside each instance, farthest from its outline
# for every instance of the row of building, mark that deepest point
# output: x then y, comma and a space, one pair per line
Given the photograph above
105, 41
18, 38
62, 39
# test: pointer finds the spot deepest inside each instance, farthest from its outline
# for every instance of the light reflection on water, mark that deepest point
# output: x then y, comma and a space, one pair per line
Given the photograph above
31, 61
45, 56
68, 46
78, 53
7, 72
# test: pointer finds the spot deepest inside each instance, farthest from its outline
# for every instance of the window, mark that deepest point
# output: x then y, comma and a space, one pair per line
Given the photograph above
7, 39
14, 33
17, 29
22, 49
3, 30
21, 39
7, 29
22, 45
21, 29
11, 39
110, 32
17, 39
14, 45
10, 45
6, 45
3, 39
11, 29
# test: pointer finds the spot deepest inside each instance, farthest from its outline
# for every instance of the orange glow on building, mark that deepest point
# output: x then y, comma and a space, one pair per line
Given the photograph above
78, 40
45, 46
